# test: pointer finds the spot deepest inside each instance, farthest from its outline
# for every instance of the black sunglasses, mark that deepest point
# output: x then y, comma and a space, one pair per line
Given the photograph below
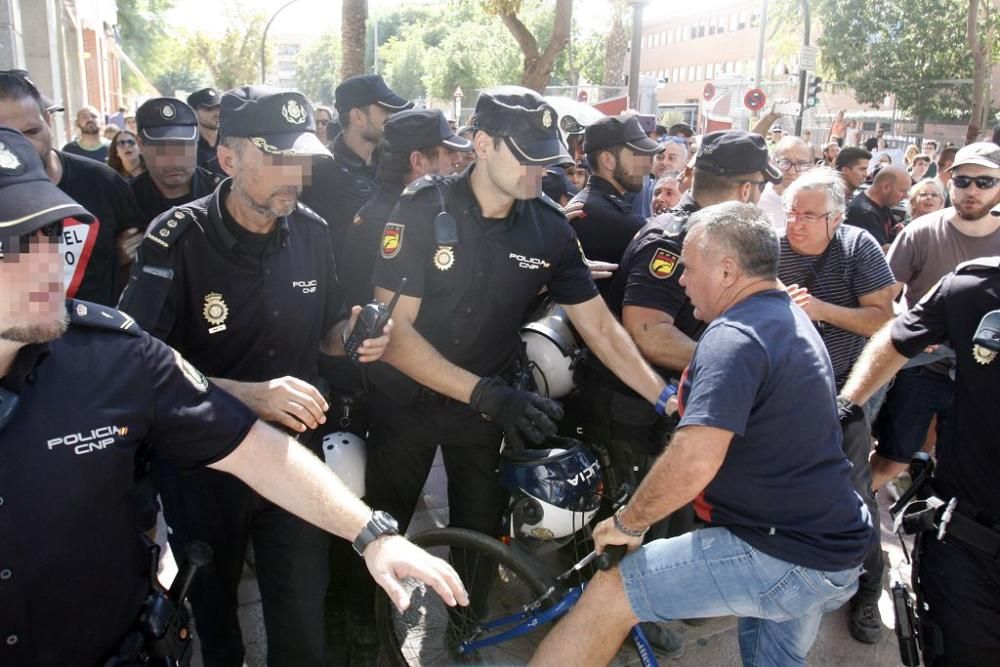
17, 245
982, 182
126, 142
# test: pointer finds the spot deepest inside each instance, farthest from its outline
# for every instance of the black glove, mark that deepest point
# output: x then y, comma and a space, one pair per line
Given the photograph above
849, 412
518, 412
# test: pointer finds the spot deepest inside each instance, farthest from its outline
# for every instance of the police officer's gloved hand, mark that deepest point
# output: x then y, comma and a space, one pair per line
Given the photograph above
849, 412
519, 413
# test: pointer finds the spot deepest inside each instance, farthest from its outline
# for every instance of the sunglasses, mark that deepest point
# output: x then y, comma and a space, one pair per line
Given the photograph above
17, 245
982, 182
126, 142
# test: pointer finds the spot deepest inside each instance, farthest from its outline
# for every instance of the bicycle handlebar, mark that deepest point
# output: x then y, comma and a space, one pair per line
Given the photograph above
610, 556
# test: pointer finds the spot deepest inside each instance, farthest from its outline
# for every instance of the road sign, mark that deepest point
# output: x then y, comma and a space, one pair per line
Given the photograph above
458, 92
807, 57
755, 99
709, 92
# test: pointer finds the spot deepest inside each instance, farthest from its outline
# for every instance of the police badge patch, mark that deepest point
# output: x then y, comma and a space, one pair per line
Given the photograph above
193, 375
215, 311
293, 112
444, 258
9, 162
392, 240
663, 264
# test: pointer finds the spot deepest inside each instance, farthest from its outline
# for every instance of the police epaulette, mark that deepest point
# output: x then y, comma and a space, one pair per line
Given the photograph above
84, 313
169, 227
980, 264
309, 213
421, 183
551, 202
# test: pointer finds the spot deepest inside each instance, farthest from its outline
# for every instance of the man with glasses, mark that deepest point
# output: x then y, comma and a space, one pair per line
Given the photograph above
839, 276
926, 250
792, 156
168, 135
870, 209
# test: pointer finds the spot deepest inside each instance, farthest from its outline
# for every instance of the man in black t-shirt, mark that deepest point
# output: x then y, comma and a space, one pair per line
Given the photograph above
870, 209
90, 143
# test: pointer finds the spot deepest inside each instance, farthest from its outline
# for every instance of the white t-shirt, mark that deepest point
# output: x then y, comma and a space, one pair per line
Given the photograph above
772, 204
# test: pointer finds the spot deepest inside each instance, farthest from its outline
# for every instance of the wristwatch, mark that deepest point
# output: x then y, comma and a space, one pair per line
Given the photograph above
379, 525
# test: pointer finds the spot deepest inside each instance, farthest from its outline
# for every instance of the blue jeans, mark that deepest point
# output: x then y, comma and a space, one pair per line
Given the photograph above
711, 572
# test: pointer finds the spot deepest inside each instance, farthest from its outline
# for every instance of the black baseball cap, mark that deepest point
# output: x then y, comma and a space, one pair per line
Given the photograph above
612, 132
29, 200
206, 97
734, 152
166, 119
422, 128
276, 121
527, 123
364, 89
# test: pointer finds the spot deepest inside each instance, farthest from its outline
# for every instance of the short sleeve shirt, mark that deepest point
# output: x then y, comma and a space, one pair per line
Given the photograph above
88, 401
968, 460
761, 372
475, 293
854, 267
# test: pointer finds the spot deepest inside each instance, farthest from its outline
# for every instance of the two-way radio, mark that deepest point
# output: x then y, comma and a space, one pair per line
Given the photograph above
372, 318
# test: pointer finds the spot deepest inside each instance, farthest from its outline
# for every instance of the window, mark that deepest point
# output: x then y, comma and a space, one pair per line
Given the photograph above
698, 74
711, 26
690, 72
708, 71
670, 37
701, 30
754, 19
742, 25
734, 20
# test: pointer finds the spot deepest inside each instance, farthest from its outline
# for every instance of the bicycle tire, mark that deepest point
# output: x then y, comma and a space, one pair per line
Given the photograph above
427, 633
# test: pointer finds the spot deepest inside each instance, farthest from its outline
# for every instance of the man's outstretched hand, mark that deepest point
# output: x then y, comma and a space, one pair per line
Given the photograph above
393, 558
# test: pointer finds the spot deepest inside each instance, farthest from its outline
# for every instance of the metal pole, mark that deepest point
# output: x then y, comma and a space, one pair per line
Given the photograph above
263, 40
802, 73
633, 70
761, 37
375, 50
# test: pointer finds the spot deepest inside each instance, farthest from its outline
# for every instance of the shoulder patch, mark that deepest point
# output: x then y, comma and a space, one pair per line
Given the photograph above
86, 314
547, 200
392, 240
663, 264
980, 264
169, 227
421, 183
311, 214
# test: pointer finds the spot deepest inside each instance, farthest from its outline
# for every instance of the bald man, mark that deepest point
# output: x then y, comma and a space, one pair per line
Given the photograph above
870, 209
89, 142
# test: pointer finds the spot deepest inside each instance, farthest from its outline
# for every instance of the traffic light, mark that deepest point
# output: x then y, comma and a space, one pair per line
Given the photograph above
813, 90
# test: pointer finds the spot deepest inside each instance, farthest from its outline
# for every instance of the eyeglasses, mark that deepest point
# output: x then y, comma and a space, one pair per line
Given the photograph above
17, 245
322, 123
929, 195
125, 142
800, 167
808, 218
982, 182
760, 184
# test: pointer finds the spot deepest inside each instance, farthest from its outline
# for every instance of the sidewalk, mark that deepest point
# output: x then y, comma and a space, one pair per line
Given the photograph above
713, 644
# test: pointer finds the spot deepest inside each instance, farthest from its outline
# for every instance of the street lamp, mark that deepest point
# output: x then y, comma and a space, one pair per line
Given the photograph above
633, 70
263, 40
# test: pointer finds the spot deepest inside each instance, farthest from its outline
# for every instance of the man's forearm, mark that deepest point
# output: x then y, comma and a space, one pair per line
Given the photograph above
245, 391
879, 362
286, 473
663, 344
862, 320
416, 358
618, 352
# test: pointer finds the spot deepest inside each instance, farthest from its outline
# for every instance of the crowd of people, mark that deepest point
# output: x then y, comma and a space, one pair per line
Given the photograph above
185, 297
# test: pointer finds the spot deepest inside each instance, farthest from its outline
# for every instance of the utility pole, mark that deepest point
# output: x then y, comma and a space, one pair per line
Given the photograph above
263, 41
633, 70
803, 74
761, 37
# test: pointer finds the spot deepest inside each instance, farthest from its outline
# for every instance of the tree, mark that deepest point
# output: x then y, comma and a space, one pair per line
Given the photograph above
142, 34
316, 68
232, 59
899, 47
353, 16
981, 32
538, 64
615, 47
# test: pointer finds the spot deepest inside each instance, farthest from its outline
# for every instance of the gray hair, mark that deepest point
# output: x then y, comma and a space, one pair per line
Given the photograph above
742, 231
787, 143
912, 195
820, 179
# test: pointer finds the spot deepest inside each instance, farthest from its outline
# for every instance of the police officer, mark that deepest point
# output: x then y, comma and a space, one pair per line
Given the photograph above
417, 143
168, 136
242, 283
956, 573
620, 155
205, 103
81, 387
341, 188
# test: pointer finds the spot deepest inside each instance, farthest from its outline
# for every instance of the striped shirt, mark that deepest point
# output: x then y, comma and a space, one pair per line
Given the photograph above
855, 267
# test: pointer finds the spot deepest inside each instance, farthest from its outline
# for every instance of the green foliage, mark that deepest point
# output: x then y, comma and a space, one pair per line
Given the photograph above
316, 68
143, 36
232, 59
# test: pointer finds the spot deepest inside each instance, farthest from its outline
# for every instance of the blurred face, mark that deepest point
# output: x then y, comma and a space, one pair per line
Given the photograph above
127, 147
810, 225
208, 117
631, 168
666, 195
792, 162
322, 123
507, 174
32, 294
25, 116
919, 169
88, 121
926, 199
268, 184
170, 163
855, 175
831, 153
372, 127
444, 163
702, 278
973, 202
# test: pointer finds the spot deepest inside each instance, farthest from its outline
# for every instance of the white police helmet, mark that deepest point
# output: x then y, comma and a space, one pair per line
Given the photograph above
553, 350
344, 452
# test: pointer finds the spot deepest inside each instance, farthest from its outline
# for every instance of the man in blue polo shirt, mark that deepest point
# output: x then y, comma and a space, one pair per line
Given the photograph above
758, 449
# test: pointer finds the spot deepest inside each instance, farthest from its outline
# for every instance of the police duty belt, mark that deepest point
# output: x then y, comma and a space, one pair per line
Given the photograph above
937, 514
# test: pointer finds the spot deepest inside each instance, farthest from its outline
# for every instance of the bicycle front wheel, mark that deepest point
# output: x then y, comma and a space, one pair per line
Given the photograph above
501, 584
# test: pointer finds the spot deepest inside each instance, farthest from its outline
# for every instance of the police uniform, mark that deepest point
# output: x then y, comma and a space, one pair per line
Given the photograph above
957, 579
608, 222
73, 567
340, 188
251, 308
207, 158
165, 119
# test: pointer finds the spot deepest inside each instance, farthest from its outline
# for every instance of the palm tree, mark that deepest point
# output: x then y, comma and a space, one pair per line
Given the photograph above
354, 15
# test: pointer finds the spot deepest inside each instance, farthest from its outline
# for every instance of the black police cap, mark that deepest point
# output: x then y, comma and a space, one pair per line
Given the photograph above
274, 120
166, 119
734, 152
613, 132
364, 89
29, 199
527, 123
206, 97
422, 128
